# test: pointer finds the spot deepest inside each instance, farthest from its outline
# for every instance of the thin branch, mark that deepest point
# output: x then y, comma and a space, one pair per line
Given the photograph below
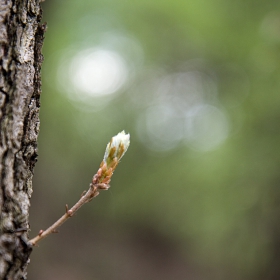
115, 150
87, 197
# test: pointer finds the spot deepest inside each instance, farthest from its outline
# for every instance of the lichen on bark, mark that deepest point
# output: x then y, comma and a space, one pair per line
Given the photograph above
21, 39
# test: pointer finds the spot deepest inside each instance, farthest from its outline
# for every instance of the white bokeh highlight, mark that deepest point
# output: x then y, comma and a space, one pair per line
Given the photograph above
181, 110
160, 128
97, 72
206, 127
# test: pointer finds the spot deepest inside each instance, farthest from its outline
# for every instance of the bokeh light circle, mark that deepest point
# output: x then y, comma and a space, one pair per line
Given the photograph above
160, 128
206, 127
97, 72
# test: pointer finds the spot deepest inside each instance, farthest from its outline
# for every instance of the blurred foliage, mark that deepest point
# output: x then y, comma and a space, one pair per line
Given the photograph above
176, 210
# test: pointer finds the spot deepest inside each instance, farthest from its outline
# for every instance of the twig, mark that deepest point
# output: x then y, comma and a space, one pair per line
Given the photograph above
100, 181
87, 197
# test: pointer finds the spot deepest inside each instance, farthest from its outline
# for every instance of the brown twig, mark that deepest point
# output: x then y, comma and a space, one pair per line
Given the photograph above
115, 150
87, 197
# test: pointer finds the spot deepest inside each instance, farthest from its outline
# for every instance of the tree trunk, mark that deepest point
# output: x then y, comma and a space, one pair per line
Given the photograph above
21, 38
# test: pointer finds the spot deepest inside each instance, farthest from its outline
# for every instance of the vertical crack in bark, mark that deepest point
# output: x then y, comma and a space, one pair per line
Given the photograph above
21, 39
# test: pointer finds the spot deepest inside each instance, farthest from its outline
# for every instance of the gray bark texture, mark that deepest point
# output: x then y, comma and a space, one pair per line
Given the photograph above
21, 38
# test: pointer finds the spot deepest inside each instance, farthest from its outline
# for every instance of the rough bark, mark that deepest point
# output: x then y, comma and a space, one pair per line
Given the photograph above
21, 37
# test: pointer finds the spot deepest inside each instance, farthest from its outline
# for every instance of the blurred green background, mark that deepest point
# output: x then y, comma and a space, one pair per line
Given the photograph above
196, 84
